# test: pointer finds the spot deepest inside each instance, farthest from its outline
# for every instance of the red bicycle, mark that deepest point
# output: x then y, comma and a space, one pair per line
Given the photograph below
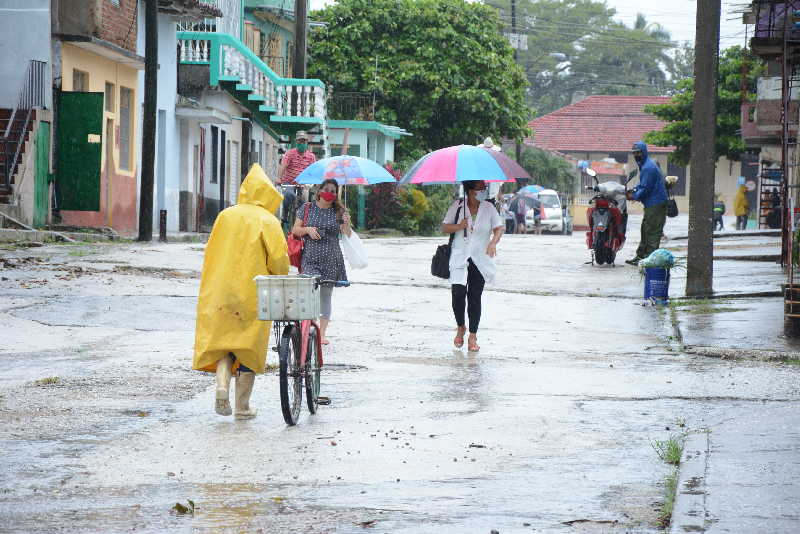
299, 349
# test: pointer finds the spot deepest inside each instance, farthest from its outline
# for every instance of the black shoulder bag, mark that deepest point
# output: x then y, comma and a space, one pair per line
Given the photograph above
672, 206
440, 263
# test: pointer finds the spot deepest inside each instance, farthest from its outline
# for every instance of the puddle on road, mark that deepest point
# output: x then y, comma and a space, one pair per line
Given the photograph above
218, 507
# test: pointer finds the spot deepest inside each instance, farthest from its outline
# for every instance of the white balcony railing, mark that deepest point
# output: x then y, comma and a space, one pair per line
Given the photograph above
230, 22
236, 64
229, 60
309, 101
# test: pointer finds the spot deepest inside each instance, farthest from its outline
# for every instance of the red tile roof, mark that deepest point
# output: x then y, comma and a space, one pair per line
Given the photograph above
599, 123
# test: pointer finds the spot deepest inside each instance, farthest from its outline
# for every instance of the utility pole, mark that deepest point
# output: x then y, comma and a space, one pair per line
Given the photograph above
700, 258
149, 119
515, 44
300, 34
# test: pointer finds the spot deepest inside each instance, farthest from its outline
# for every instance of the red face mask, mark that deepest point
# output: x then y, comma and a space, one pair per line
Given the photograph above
327, 196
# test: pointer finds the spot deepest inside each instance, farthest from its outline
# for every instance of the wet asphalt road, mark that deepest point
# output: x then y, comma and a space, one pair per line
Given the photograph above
547, 429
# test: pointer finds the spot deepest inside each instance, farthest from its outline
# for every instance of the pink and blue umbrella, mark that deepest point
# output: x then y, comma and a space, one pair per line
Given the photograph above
463, 163
346, 170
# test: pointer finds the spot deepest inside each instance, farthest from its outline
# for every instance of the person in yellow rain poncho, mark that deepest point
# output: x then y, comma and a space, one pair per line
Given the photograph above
246, 241
741, 208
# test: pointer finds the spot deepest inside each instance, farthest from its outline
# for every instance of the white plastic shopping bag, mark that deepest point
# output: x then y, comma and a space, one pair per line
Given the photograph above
354, 250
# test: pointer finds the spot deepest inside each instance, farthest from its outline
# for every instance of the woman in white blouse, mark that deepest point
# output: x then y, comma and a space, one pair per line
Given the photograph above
477, 227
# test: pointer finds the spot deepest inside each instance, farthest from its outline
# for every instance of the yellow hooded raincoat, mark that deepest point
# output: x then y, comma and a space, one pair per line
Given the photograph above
246, 241
740, 204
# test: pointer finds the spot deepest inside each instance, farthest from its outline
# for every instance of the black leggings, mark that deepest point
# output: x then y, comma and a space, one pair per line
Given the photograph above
471, 293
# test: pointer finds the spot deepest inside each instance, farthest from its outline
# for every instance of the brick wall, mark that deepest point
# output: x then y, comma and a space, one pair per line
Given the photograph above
118, 24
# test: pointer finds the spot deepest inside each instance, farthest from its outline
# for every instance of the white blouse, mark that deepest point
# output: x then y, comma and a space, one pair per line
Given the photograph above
472, 242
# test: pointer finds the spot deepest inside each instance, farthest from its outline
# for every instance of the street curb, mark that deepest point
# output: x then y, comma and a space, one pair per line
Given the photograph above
773, 258
723, 235
757, 355
689, 513
42, 236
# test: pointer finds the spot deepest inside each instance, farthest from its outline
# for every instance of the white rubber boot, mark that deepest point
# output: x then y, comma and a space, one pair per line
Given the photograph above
222, 403
244, 387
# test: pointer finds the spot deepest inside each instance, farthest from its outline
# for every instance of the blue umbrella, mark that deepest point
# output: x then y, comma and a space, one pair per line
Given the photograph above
347, 170
531, 189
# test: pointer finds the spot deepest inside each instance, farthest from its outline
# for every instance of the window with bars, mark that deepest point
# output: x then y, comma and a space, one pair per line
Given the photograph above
125, 127
80, 81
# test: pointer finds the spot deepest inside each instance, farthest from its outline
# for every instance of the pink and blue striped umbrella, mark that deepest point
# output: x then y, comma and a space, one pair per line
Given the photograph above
462, 163
347, 170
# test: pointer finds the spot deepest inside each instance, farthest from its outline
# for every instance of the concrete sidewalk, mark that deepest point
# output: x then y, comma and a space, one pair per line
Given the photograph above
739, 472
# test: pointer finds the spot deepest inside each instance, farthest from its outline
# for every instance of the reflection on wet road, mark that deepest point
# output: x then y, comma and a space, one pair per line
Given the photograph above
548, 428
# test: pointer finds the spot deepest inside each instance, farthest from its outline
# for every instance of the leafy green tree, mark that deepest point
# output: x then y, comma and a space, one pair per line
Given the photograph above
548, 170
576, 45
678, 111
683, 63
439, 68
624, 60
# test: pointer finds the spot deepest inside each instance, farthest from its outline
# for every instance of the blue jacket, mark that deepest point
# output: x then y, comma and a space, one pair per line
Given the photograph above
651, 190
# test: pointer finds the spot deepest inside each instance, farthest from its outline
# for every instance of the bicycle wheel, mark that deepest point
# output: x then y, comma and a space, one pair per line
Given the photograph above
290, 379
313, 370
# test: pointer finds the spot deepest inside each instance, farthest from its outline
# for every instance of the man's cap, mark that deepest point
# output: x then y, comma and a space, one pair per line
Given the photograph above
301, 134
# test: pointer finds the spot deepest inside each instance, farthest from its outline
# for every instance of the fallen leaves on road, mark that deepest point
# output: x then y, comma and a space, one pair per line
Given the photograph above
182, 510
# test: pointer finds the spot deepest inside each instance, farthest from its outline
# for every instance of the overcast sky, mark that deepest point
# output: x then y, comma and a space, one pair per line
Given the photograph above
677, 16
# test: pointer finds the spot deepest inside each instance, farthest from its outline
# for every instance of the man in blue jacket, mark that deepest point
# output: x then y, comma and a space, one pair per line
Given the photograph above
651, 192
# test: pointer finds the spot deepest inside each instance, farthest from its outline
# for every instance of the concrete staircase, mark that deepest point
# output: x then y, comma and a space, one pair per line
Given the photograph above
10, 146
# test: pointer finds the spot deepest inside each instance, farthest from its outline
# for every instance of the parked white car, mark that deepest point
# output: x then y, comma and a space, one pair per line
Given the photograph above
552, 220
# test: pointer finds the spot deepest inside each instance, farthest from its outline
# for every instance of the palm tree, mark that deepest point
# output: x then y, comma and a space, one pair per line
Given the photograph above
654, 35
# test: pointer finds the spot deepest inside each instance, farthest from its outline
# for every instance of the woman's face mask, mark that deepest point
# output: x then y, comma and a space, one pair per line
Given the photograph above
481, 191
327, 196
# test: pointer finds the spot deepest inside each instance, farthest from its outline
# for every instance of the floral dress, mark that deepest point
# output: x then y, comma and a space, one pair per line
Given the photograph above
322, 257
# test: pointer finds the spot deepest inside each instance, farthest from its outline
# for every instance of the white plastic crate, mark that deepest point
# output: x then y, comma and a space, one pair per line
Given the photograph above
287, 298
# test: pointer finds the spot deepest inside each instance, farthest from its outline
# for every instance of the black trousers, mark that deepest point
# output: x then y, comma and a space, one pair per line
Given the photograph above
468, 296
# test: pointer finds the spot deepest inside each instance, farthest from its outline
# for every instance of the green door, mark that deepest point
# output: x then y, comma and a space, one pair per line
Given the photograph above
40, 196
80, 131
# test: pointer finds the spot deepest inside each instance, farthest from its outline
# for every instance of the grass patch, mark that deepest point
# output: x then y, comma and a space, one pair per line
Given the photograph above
669, 450
792, 361
702, 306
706, 310
683, 303
48, 381
670, 488
80, 252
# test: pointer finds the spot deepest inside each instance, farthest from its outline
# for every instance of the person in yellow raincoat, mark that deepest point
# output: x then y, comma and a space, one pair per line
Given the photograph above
246, 241
741, 208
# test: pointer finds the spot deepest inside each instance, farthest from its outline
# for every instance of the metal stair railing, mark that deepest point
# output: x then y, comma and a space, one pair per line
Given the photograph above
31, 96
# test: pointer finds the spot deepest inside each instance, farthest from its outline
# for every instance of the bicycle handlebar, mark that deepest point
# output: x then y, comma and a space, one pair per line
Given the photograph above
334, 283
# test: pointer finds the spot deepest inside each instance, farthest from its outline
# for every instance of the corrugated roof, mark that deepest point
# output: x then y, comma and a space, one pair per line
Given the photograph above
599, 123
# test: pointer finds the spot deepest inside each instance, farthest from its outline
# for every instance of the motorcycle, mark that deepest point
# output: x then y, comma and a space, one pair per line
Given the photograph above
608, 219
